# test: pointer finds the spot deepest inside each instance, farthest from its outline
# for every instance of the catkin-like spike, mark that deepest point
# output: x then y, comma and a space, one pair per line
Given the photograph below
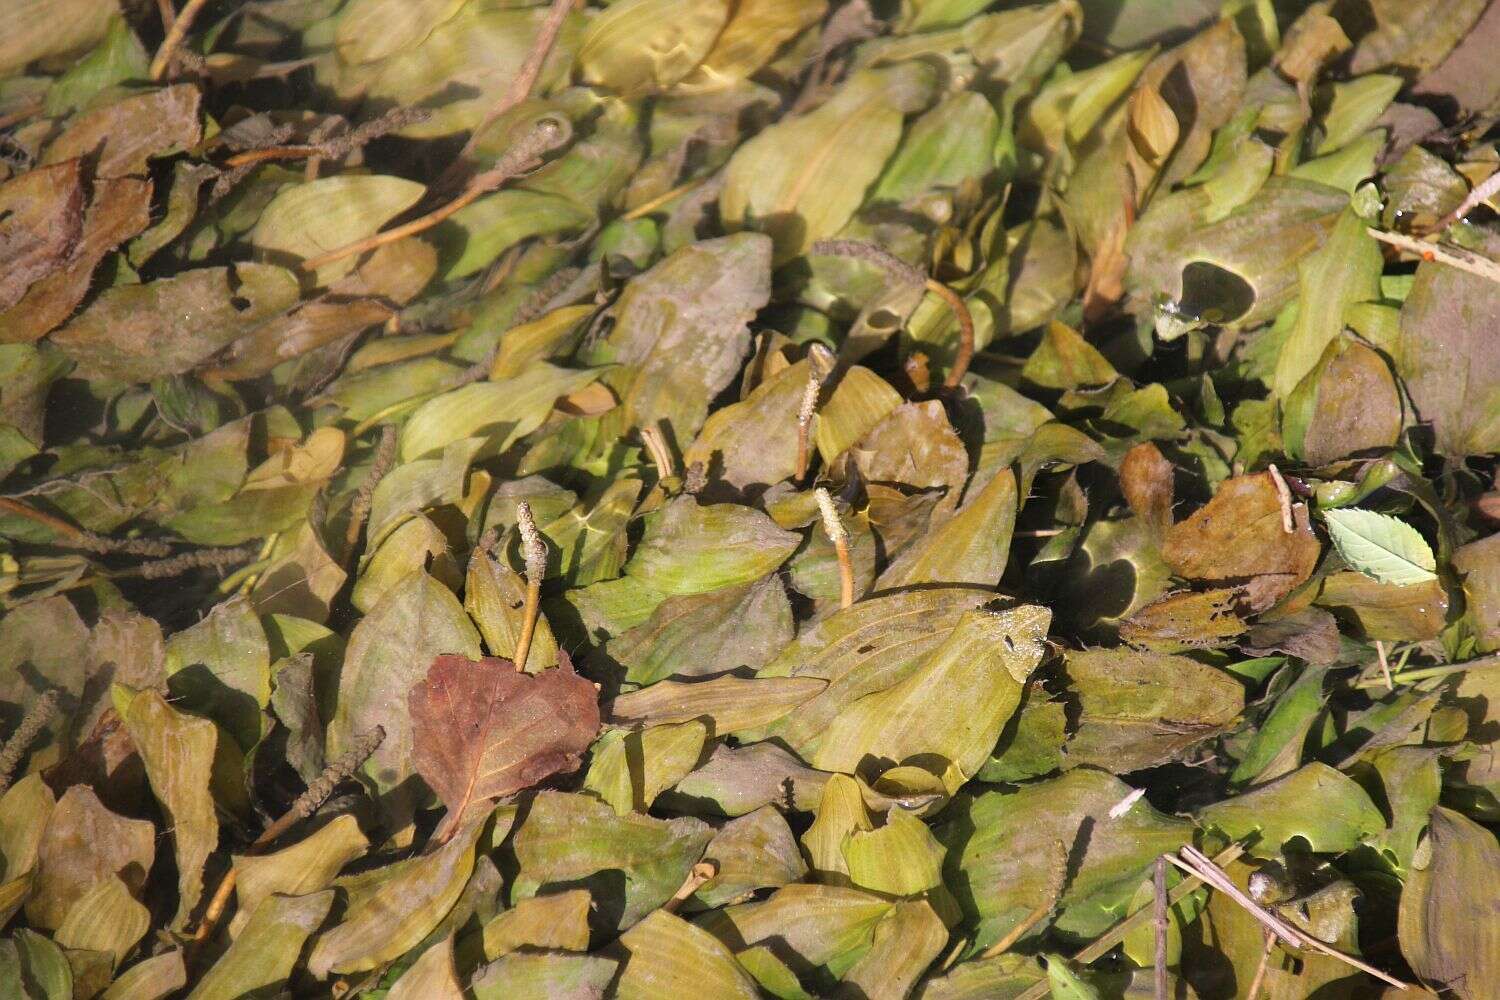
31, 726
307, 803
188, 561
318, 792
804, 423
359, 508
840, 538
831, 523
869, 252
534, 550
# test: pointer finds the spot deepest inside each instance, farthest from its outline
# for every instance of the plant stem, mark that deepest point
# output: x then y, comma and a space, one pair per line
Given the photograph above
175, 34
307, 803
1159, 969
960, 311
526, 77
701, 873
548, 134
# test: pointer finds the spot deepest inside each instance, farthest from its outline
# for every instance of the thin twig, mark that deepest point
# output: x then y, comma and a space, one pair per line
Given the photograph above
1159, 917
1284, 498
1116, 934
31, 726
700, 873
547, 135
661, 456
1262, 968
175, 34
526, 77
1443, 253
1194, 862
306, 804
534, 550
1385, 665
1482, 193
839, 535
359, 508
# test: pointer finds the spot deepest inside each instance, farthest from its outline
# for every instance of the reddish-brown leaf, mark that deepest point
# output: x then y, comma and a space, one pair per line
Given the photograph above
482, 731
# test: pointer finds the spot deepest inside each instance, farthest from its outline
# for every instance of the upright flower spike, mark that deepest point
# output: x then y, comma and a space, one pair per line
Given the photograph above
840, 538
534, 550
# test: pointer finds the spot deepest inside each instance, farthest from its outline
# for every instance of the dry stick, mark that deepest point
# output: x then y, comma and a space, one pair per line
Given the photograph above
1284, 498
1443, 253
661, 455
359, 508
1385, 666
548, 134
1099, 948
701, 873
1194, 862
525, 78
535, 552
840, 538
904, 272
307, 803
804, 423
1486, 190
1262, 968
1159, 917
30, 727
175, 34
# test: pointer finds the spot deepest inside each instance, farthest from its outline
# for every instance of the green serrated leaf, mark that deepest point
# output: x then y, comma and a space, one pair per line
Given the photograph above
1381, 546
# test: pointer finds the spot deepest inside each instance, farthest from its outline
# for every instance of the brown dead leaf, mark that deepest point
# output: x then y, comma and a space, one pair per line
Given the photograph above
1146, 479
482, 731
41, 216
120, 208
313, 325
138, 332
124, 135
1238, 536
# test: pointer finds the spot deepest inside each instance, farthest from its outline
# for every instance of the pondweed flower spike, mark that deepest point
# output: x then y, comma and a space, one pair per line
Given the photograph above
534, 550
840, 538
31, 726
306, 804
